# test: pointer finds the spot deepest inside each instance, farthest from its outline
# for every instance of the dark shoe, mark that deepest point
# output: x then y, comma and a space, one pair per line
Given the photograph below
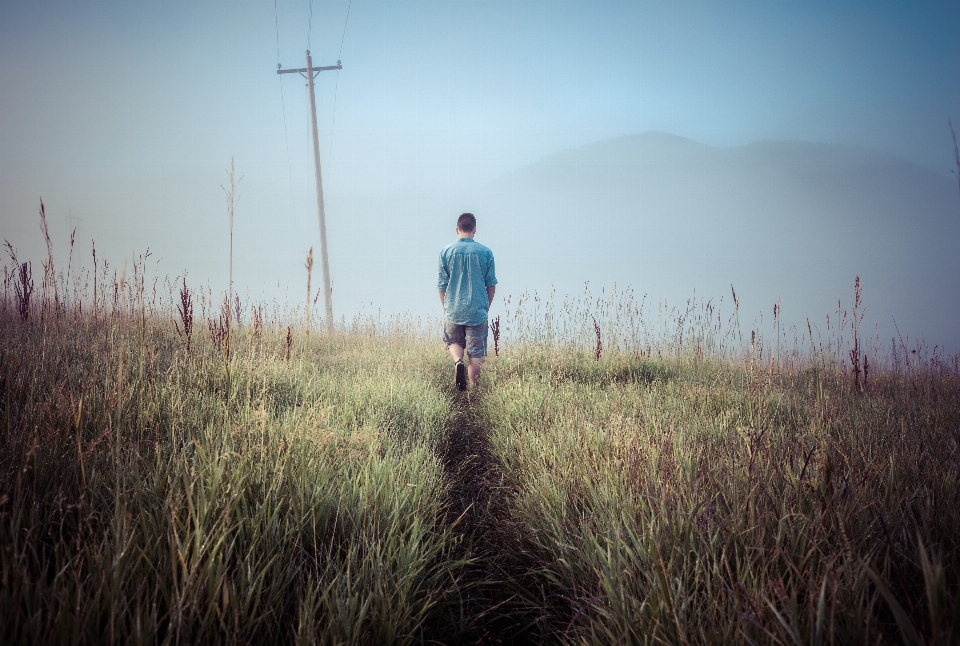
461, 376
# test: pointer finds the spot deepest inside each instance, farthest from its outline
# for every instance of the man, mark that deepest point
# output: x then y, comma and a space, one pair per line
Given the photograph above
467, 283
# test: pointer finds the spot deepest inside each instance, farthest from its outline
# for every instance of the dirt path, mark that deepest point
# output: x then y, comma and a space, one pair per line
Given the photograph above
492, 609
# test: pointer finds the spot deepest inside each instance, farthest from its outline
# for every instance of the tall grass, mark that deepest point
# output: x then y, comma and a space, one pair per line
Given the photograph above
628, 472
155, 491
679, 502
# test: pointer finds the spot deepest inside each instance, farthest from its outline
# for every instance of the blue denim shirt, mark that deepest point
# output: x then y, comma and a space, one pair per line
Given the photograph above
466, 270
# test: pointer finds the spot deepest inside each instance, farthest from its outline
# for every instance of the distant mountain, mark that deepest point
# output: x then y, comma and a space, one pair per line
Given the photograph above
786, 219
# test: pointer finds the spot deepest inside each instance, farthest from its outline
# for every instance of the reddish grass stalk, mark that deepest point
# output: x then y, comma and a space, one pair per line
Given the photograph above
185, 308
94, 245
855, 351
598, 350
237, 310
258, 322
309, 266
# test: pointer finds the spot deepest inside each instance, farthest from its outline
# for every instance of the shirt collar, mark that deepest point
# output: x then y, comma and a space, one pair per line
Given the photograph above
465, 240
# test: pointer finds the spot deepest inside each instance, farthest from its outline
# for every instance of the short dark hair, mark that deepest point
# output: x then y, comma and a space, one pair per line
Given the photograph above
467, 223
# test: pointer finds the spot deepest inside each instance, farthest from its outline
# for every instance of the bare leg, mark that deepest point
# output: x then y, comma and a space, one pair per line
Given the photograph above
456, 351
473, 370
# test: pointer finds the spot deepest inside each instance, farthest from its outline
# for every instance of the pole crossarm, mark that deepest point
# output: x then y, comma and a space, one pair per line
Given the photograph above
303, 70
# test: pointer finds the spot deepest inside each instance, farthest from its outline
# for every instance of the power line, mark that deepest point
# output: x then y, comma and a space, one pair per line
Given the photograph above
276, 25
344, 29
309, 24
283, 103
336, 88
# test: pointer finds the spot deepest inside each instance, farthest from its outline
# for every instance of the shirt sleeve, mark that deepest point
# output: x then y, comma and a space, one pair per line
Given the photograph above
491, 278
443, 274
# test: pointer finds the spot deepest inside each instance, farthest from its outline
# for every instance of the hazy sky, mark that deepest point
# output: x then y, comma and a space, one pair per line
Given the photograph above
123, 115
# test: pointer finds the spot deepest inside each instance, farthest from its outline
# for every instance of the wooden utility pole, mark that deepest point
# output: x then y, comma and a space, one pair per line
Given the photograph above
309, 72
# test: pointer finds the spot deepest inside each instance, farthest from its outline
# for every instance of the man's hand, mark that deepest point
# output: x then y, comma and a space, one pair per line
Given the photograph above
443, 295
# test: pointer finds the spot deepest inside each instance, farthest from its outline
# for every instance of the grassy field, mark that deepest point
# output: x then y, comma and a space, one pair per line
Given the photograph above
248, 483
681, 502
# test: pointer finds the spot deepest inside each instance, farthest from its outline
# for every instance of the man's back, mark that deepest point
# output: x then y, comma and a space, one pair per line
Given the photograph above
466, 271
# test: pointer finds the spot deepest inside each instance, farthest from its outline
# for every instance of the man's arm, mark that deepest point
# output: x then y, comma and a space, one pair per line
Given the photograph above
491, 279
443, 277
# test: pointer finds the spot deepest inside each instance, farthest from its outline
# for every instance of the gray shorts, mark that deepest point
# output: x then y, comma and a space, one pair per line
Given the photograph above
473, 338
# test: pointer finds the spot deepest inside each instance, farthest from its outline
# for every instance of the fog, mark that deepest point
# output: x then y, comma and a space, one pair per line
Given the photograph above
677, 148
